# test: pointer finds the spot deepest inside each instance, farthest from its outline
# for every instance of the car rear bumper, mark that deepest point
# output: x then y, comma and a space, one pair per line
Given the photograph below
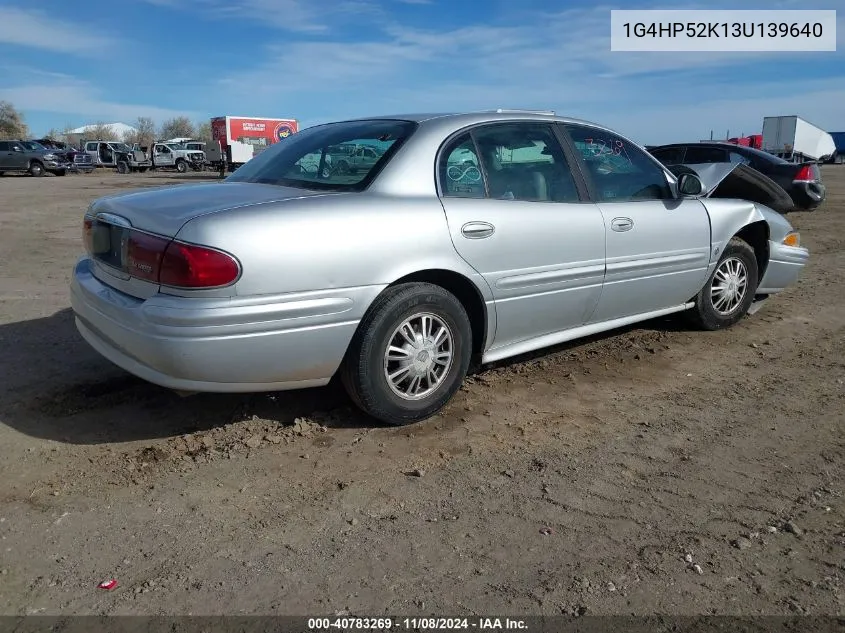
219, 345
785, 266
808, 195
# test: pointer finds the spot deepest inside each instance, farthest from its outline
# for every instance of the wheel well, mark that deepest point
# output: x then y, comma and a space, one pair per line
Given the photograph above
465, 291
756, 235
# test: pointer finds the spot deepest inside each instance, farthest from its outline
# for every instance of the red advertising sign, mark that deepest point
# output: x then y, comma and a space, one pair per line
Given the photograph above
254, 131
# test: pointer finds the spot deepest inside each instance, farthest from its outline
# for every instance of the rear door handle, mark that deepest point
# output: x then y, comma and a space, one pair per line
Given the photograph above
621, 225
477, 230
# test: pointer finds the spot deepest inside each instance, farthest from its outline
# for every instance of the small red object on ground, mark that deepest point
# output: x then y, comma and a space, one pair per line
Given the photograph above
108, 585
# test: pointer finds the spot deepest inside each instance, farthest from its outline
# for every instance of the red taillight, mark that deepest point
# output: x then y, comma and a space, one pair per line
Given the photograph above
807, 173
144, 253
88, 234
189, 266
158, 259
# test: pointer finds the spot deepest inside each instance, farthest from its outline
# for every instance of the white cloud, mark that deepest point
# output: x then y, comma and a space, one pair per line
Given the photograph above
304, 16
83, 100
36, 29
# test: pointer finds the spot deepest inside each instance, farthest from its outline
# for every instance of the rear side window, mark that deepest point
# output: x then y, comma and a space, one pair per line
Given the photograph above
669, 155
524, 161
460, 171
90, 147
697, 155
619, 170
4, 146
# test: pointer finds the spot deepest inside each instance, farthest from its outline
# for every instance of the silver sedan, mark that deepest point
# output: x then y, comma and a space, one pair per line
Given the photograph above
472, 238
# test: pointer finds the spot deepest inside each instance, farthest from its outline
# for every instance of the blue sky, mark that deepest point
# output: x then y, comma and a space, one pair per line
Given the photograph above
73, 63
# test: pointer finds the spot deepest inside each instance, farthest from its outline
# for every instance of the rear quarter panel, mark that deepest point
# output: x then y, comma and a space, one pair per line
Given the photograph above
334, 242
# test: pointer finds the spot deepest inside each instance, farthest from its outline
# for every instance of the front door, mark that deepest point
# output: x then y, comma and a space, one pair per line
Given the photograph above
658, 245
163, 156
517, 217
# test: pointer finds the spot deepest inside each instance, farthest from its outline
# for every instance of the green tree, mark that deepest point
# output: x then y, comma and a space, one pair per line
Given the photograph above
12, 124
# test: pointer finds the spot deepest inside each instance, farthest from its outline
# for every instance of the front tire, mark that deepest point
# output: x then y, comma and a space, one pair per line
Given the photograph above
730, 290
36, 169
410, 354
181, 166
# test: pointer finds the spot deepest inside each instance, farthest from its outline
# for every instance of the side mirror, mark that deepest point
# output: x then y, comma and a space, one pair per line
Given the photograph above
689, 185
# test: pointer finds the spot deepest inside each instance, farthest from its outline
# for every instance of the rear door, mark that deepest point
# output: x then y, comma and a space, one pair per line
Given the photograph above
518, 214
658, 246
5, 155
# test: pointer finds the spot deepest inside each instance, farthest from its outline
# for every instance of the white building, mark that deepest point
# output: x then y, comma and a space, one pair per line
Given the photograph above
118, 129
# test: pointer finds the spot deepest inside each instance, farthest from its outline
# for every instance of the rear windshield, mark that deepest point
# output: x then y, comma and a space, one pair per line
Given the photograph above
344, 156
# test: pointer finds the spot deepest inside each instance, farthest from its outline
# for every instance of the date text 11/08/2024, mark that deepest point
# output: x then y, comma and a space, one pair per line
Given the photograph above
416, 624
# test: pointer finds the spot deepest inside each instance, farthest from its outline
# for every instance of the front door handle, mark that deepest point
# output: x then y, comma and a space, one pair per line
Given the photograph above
621, 225
477, 230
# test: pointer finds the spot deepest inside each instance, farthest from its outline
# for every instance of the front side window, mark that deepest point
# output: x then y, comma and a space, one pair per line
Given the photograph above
460, 171
737, 158
619, 170
524, 161
311, 159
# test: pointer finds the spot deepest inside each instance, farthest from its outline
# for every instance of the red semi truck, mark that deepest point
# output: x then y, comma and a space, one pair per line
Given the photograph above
242, 137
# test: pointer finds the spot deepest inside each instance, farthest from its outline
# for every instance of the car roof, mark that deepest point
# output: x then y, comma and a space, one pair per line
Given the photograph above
479, 116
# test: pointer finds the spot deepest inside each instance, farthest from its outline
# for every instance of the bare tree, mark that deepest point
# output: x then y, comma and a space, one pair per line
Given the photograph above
12, 124
177, 127
100, 132
203, 132
144, 133
53, 134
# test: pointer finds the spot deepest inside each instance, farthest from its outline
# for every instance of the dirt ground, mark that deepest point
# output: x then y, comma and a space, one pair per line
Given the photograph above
653, 470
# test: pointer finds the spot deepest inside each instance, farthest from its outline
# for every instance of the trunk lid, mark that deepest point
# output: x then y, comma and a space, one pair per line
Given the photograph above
726, 180
164, 210
115, 224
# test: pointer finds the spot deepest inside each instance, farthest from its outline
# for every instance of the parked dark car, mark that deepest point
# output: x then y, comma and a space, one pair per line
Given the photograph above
57, 147
802, 181
28, 156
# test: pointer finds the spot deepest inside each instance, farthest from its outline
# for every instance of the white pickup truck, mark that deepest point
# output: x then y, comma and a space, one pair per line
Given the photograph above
169, 155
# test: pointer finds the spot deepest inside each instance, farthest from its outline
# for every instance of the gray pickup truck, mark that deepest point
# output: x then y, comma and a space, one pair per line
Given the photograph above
29, 157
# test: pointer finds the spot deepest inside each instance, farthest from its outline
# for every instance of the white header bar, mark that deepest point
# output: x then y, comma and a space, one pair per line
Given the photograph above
723, 31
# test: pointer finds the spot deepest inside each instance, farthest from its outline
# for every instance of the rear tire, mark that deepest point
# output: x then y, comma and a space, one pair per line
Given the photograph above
730, 290
426, 372
36, 169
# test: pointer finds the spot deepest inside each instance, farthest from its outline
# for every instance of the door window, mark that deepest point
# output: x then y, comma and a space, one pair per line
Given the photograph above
4, 146
737, 158
90, 147
524, 161
460, 174
620, 171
